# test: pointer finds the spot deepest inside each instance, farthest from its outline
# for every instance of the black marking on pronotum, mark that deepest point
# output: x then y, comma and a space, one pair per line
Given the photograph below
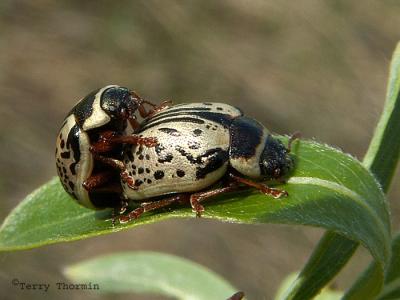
215, 161
239, 132
173, 120
84, 109
73, 143
170, 131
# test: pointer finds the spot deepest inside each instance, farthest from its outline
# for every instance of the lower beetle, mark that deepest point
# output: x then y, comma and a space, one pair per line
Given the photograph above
200, 144
89, 144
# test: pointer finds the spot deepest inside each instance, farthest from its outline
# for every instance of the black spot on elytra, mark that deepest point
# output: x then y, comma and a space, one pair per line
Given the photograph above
167, 157
141, 157
147, 170
147, 156
138, 182
72, 168
197, 132
193, 145
66, 154
140, 150
219, 108
140, 170
133, 166
133, 173
149, 181
215, 161
208, 126
62, 144
180, 173
64, 169
71, 185
158, 174
170, 131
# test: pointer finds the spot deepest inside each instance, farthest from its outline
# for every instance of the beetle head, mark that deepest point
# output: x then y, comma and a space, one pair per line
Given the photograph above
275, 160
118, 102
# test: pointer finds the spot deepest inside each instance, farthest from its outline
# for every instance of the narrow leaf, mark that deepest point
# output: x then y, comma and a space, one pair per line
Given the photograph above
381, 159
371, 276
327, 189
325, 294
151, 273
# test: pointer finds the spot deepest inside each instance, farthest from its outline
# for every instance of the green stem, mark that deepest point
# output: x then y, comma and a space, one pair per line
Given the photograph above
381, 159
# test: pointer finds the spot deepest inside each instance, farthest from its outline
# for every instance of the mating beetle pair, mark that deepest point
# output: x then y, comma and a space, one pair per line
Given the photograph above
180, 151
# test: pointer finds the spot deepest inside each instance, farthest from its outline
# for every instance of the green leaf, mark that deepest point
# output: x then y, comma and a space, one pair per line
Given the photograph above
383, 153
290, 280
330, 255
381, 159
151, 273
370, 282
327, 188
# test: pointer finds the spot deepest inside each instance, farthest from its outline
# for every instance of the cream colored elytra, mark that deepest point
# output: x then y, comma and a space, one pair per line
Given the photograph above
192, 152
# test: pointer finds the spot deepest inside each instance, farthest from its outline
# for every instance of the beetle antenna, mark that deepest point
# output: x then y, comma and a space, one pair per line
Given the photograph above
136, 96
296, 135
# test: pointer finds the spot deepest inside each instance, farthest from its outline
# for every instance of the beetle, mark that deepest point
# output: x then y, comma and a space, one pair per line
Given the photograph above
89, 144
200, 144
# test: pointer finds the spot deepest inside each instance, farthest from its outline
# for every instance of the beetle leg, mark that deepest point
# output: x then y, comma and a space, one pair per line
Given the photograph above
97, 180
145, 207
118, 165
109, 139
196, 198
119, 210
276, 193
134, 140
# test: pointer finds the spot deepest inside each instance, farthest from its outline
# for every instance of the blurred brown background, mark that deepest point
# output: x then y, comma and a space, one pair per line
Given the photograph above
319, 67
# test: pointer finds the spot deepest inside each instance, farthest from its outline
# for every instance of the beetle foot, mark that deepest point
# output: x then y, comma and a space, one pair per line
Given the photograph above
196, 206
276, 193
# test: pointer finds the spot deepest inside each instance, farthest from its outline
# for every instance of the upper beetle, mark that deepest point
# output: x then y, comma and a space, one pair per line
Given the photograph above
89, 144
200, 144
